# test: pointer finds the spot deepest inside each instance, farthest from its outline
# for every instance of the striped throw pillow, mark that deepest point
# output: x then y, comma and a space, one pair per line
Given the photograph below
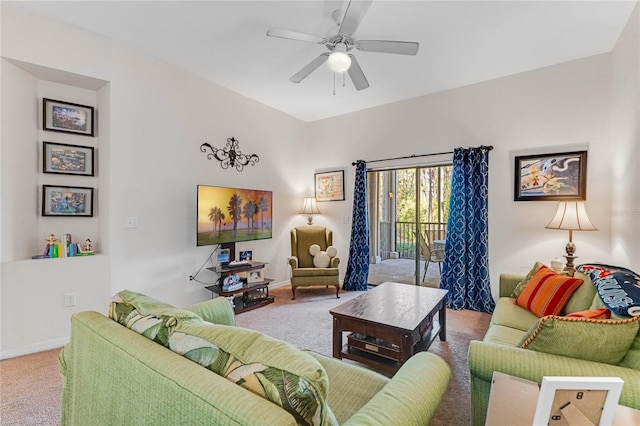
601, 313
547, 292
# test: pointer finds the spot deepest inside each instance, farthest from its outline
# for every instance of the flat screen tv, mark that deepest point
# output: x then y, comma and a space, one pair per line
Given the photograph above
229, 215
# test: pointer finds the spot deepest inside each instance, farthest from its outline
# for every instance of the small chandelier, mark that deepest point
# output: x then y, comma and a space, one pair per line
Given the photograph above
231, 156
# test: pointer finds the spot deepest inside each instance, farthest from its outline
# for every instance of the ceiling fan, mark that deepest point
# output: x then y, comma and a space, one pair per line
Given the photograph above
339, 41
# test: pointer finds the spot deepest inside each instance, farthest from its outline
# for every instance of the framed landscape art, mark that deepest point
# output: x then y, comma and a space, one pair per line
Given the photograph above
330, 186
559, 176
67, 201
60, 116
67, 159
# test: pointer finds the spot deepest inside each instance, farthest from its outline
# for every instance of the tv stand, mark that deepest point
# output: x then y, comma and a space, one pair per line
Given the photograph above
251, 295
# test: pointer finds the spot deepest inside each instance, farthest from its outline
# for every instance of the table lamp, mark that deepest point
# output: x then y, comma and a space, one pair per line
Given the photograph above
310, 208
571, 216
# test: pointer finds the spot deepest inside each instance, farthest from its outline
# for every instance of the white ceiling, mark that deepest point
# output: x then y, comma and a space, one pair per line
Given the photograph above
461, 43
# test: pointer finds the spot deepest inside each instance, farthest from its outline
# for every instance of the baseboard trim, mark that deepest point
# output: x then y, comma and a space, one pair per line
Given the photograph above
279, 284
33, 348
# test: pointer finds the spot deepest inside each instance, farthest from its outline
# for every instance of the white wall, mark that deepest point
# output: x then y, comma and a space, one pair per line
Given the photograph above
159, 118
19, 161
153, 118
625, 136
554, 109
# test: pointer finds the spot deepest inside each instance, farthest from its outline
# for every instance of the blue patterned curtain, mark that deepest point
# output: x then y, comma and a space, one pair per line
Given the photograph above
466, 262
358, 263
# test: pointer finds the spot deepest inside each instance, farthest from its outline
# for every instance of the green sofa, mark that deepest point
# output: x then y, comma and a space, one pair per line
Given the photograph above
115, 376
510, 323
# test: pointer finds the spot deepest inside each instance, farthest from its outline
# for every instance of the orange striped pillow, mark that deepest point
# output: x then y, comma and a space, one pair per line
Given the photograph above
547, 292
600, 313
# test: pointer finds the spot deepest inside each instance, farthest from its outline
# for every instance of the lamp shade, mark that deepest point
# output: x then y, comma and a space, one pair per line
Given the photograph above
338, 60
571, 216
309, 206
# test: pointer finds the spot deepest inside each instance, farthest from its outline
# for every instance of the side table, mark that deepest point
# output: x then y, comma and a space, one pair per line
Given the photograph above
251, 295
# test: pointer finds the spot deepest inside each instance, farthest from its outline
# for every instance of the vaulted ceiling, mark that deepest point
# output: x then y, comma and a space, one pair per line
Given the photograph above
461, 43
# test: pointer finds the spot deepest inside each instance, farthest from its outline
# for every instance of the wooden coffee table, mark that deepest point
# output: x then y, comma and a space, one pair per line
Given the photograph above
389, 324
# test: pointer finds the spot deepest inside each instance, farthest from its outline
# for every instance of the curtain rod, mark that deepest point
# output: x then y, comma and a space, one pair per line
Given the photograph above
490, 147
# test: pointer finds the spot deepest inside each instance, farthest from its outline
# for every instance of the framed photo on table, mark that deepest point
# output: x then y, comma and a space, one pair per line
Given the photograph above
577, 400
67, 117
246, 254
67, 159
254, 276
67, 201
330, 186
560, 177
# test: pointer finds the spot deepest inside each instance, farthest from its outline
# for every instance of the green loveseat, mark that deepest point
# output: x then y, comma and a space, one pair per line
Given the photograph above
510, 323
115, 376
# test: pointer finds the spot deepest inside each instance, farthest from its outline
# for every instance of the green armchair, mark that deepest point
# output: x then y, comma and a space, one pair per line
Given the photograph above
303, 271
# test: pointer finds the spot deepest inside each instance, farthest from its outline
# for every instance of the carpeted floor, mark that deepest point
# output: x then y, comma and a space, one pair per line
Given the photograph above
283, 320
31, 386
31, 389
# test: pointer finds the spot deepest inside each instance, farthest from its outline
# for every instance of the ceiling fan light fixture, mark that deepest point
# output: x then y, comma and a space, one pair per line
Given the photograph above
338, 60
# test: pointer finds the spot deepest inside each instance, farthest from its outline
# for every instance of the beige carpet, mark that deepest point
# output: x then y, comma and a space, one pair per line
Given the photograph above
31, 386
307, 323
31, 389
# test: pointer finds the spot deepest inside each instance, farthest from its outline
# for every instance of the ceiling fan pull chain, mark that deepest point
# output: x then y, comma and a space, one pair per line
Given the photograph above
344, 79
334, 84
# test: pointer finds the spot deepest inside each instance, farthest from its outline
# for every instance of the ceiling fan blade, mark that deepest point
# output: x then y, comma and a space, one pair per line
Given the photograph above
294, 35
356, 74
356, 9
309, 68
388, 46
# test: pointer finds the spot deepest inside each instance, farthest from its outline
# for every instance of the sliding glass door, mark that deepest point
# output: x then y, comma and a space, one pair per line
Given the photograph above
405, 206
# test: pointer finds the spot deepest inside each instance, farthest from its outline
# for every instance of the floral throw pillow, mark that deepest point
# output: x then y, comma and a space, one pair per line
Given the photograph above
271, 369
144, 315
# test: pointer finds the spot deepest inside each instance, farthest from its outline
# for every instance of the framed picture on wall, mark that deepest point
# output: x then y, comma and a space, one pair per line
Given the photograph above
560, 177
67, 159
330, 186
60, 116
67, 201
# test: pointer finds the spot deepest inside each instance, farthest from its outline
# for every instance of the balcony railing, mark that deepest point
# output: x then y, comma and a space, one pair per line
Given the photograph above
404, 242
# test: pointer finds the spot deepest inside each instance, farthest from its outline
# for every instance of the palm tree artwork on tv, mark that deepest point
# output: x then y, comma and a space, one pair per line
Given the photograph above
234, 209
249, 211
216, 216
240, 222
263, 206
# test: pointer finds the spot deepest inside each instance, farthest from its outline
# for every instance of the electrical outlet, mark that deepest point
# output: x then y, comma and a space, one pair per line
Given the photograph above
69, 300
131, 222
